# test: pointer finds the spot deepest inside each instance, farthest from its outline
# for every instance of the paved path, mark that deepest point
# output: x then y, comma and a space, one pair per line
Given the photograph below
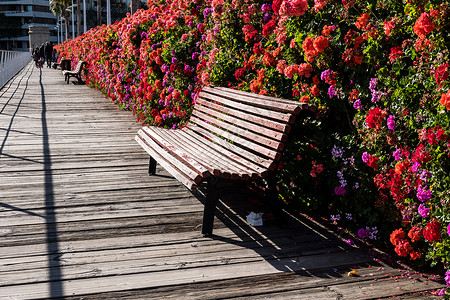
79, 217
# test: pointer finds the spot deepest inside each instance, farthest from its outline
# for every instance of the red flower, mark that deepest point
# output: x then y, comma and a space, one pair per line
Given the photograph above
361, 22
415, 233
239, 73
396, 53
373, 162
268, 28
375, 118
276, 6
403, 248
432, 232
423, 25
445, 100
396, 236
441, 74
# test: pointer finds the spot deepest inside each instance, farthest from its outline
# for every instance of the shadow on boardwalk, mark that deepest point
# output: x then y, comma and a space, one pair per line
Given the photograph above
80, 218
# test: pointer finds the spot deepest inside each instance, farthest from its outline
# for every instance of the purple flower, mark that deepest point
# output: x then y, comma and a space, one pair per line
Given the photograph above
335, 217
376, 96
207, 12
447, 278
391, 122
337, 152
363, 233
397, 154
357, 104
424, 211
266, 7
373, 84
267, 17
170, 89
187, 68
348, 216
425, 175
174, 60
331, 91
194, 55
325, 74
448, 229
365, 157
423, 193
190, 24
442, 292
415, 167
340, 190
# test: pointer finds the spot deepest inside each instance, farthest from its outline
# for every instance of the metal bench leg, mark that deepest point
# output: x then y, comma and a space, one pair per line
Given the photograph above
272, 198
152, 166
210, 206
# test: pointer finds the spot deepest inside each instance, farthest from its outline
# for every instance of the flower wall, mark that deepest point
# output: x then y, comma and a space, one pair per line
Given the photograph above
376, 161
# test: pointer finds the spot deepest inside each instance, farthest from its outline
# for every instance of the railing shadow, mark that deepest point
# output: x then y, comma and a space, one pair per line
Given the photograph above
56, 288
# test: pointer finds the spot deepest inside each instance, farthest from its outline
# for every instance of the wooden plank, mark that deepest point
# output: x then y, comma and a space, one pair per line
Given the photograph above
228, 157
206, 155
244, 135
187, 165
231, 155
275, 155
259, 129
248, 107
281, 127
211, 165
188, 182
271, 103
303, 106
264, 162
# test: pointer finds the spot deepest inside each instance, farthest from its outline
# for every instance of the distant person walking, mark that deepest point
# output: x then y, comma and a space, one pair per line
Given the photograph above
48, 54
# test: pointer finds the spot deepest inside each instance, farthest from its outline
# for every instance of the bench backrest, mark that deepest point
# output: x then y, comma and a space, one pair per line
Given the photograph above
78, 67
250, 125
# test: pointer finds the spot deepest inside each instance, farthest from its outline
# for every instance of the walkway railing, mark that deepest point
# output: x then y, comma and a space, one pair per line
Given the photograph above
11, 62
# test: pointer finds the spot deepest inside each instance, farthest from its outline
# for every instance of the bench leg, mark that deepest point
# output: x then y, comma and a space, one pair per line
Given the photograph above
210, 206
152, 166
272, 198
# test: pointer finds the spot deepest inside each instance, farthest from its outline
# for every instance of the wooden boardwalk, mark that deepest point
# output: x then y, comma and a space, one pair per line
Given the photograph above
80, 218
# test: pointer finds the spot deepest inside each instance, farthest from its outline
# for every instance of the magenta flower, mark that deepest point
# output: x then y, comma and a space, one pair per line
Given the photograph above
423, 193
391, 122
423, 211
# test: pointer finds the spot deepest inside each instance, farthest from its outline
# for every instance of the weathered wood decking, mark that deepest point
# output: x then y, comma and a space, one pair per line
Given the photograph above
79, 217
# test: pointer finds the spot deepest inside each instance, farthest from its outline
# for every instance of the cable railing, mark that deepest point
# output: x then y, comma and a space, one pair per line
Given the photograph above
11, 62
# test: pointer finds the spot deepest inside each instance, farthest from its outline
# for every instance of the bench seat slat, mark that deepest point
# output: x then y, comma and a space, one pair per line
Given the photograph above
222, 146
167, 165
221, 154
264, 163
180, 160
241, 141
184, 156
213, 164
232, 103
257, 100
253, 127
222, 166
281, 127
244, 134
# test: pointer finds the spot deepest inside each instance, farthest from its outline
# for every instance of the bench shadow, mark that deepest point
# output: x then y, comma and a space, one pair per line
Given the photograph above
297, 245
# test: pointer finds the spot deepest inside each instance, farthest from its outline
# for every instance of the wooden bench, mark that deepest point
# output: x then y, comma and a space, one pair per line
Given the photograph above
64, 64
75, 73
232, 136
